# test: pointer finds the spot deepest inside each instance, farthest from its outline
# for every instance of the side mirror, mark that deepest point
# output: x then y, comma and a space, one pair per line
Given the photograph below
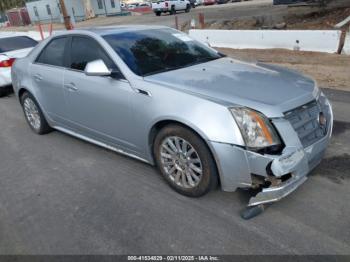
97, 68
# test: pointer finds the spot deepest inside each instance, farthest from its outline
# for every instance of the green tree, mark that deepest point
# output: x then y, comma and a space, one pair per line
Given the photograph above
8, 4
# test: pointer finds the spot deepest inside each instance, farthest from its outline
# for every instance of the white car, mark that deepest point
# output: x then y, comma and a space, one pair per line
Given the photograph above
170, 6
12, 47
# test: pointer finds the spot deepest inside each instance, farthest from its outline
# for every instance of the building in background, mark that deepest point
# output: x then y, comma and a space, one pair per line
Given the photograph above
18, 17
47, 11
3, 19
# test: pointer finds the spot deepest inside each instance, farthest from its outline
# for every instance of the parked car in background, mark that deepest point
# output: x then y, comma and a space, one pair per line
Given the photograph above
11, 48
193, 3
171, 7
220, 2
144, 5
157, 95
209, 2
133, 6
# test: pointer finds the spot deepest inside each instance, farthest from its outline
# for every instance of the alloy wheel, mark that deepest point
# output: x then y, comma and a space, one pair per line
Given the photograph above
32, 113
181, 162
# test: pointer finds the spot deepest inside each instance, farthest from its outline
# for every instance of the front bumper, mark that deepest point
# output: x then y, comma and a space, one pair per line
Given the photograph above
237, 165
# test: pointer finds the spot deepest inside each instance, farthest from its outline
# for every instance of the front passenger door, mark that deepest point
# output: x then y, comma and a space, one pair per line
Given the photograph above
98, 106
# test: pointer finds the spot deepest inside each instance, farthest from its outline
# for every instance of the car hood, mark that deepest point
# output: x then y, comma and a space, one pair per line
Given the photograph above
269, 89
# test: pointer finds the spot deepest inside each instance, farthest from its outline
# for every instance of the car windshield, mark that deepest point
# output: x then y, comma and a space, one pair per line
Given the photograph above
152, 51
16, 43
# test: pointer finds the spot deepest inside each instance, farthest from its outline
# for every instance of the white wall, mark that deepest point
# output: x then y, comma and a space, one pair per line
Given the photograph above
346, 49
108, 5
42, 11
44, 17
306, 40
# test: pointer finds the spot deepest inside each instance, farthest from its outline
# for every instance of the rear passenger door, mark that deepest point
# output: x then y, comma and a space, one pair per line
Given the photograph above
98, 106
47, 78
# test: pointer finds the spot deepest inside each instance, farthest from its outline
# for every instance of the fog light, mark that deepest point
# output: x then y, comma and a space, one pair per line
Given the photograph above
322, 120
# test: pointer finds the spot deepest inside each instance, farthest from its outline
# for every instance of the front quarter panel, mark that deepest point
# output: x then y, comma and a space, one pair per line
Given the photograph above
212, 121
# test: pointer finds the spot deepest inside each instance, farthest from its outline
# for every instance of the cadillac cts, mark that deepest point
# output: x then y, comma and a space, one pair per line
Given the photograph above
202, 118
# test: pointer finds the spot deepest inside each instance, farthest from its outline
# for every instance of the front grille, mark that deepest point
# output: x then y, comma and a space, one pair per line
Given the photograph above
305, 121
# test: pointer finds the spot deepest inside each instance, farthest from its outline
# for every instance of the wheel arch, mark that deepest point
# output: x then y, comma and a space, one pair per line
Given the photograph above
21, 91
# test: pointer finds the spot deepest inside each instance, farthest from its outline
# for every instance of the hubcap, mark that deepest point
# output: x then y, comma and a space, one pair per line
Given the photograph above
181, 162
32, 113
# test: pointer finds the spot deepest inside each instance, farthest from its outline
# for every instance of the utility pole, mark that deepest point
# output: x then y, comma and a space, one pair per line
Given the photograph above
66, 17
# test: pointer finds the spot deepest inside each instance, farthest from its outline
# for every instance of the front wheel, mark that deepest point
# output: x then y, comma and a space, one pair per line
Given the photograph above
185, 161
34, 115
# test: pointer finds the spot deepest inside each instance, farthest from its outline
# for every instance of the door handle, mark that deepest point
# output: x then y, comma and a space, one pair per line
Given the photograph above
71, 87
38, 77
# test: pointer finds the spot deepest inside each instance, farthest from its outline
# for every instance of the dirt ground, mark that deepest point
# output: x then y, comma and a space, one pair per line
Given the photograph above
330, 70
297, 18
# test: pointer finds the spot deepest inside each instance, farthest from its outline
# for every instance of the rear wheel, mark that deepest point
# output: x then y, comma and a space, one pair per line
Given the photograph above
34, 115
2, 92
185, 161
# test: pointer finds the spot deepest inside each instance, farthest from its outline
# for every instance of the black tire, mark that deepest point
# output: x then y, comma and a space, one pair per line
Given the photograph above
188, 8
172, 10
2, 92
5, 91
158, 13
44, 127
209, 177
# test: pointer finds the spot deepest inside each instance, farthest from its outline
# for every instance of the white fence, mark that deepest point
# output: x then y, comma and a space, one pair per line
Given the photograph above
346, 49
306, 40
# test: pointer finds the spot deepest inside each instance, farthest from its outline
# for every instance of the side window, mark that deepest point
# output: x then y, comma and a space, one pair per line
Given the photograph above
85, 50
53, 53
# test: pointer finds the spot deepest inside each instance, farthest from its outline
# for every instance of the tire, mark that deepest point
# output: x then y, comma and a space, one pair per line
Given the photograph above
188, 8
158, 13
2, 92
172, 10
33, 114
181, 170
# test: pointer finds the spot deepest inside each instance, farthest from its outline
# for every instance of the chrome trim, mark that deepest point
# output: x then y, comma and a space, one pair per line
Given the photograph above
101, 144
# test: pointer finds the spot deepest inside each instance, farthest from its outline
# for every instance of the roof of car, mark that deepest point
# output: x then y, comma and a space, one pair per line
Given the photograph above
108, 30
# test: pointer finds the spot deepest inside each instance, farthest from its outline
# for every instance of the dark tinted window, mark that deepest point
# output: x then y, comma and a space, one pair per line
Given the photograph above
53, 53
16, 43
85, 50
157, 50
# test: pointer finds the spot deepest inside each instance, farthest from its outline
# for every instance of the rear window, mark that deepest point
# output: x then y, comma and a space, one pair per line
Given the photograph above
53, 53
9, 44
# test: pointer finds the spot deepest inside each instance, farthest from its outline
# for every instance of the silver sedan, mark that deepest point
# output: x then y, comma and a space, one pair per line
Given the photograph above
157, 95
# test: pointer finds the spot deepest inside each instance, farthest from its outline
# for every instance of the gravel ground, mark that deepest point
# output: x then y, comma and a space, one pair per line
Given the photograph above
330, 70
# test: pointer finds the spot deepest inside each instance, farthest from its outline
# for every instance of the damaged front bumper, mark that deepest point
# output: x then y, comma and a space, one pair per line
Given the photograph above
283, 173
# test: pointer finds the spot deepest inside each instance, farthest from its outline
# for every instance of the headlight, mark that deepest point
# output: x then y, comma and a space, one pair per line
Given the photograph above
256, 129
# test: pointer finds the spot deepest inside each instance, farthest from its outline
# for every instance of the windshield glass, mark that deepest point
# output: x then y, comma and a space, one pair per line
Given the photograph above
16, 43
154, 51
